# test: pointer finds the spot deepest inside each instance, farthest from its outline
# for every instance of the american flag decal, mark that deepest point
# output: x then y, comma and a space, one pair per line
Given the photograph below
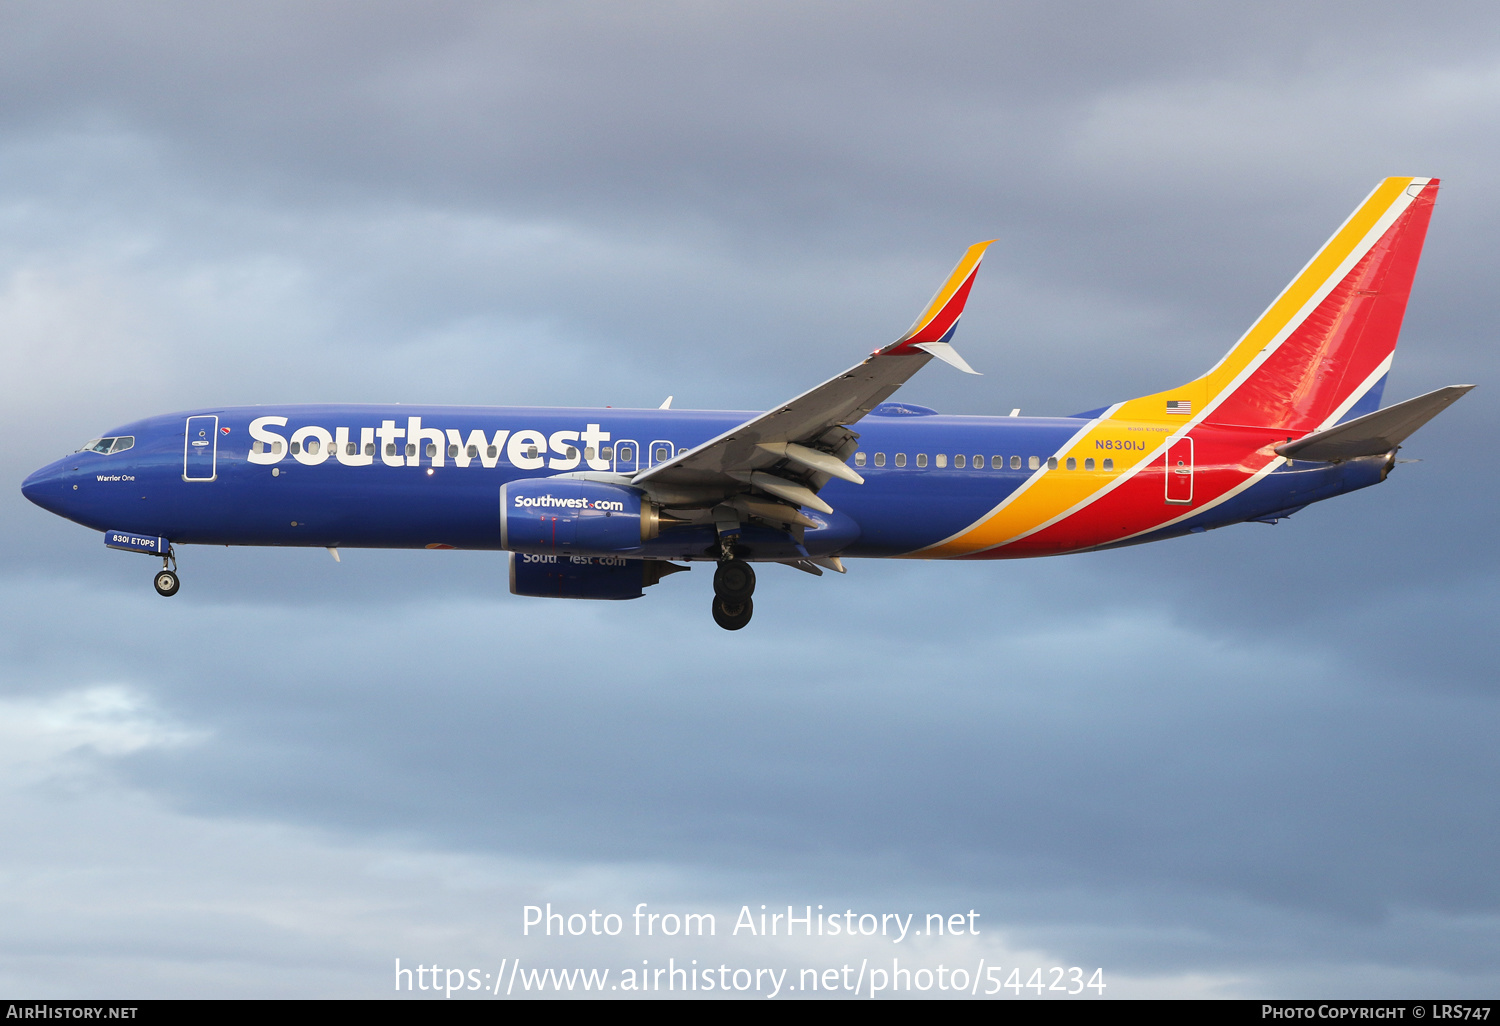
1179, 406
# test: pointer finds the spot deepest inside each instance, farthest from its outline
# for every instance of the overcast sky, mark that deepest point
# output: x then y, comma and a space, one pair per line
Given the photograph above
1260, 761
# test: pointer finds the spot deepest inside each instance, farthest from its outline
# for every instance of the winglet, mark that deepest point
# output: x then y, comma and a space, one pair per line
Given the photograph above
943, 351
933, 330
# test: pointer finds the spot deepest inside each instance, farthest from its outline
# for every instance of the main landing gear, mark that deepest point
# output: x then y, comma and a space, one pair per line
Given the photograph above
734, 583
166, 578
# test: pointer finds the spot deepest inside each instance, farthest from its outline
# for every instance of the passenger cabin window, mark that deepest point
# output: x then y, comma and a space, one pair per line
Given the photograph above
1015, 463
313, 445
352, 449
369, 448
960, 461
880, 459
1109, 464
296, 448
411, 448
900, 459
452, 451
921, 459
978, 462
941, 459
663, 453
572, 453
1088, 464
588, 452
390, 448
998, 462
1033, 463
859, 459
472, 451
1051, 462
1072, 463
626, 454
258, 447
607, 453
492, 452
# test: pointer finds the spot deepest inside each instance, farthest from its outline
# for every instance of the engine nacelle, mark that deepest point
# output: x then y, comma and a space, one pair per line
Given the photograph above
584, 577
567, 516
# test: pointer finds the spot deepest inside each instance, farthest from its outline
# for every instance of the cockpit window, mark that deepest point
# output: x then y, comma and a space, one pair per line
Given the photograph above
109, 445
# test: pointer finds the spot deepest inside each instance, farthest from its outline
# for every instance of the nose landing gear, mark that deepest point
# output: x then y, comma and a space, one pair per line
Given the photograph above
734, 583
166, 578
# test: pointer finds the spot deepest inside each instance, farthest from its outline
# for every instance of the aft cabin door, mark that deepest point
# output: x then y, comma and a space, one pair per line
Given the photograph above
200, 449
1180, 472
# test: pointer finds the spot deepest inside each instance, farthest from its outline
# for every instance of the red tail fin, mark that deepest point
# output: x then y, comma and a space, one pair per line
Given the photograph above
1328, 339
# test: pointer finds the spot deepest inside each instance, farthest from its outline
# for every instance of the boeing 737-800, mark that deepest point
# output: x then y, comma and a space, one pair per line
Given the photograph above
603, 503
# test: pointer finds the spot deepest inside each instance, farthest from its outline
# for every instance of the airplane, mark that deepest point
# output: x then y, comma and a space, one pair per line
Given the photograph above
604, 503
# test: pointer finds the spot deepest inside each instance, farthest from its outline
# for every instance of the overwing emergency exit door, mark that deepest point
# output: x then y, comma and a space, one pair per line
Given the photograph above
627, 453
1180, 472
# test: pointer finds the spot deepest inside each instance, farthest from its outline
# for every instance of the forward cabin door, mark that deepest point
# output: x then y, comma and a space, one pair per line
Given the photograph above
1180, 472
200, 449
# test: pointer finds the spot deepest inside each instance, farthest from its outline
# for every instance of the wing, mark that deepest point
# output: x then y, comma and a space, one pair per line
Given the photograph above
786, 455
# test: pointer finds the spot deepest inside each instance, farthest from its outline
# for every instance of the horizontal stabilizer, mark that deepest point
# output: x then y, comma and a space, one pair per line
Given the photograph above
1375, 433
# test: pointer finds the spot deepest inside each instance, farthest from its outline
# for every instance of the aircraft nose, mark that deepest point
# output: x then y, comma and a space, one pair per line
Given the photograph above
46, 487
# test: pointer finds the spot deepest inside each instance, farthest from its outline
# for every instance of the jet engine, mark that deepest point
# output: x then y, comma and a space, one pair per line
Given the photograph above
559, 516
584, 577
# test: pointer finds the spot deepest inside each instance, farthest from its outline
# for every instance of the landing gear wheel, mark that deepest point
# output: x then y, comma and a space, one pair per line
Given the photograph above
166, 583
732, 615
734, 581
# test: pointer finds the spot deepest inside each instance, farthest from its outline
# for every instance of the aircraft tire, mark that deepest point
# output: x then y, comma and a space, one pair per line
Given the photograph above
732, 615
166, 583
734, 581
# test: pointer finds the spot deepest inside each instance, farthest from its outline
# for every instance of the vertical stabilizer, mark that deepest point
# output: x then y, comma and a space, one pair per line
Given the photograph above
1327, 341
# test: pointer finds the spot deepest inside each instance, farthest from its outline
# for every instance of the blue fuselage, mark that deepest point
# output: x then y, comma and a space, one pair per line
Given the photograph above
352, 476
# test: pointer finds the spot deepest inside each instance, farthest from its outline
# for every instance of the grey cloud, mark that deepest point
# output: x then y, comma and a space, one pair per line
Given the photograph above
1026, 759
